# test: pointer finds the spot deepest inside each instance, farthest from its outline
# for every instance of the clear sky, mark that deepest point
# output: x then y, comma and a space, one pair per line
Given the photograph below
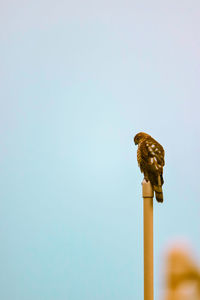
78, 80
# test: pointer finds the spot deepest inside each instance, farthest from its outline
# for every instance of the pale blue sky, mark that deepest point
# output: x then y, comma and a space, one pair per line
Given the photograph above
78, 81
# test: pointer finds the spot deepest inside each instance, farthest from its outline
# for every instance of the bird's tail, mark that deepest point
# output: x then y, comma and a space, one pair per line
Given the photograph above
158, 190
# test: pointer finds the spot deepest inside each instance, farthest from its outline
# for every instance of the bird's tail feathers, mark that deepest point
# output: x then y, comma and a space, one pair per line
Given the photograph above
158, 190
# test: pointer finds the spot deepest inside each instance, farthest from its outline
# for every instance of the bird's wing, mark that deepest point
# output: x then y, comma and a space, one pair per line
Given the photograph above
155, 150
153, 156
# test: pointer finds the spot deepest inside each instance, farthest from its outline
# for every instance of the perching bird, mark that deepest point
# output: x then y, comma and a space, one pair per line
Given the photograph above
150, 157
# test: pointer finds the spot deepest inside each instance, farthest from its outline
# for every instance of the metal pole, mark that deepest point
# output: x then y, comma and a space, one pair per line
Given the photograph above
147, 193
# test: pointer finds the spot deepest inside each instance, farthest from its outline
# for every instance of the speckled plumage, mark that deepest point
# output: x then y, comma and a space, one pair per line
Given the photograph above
150, 157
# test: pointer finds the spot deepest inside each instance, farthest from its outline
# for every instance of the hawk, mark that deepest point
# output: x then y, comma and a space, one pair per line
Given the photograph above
150, 157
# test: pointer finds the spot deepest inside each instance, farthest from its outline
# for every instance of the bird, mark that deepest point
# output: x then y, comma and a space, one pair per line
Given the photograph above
150, 157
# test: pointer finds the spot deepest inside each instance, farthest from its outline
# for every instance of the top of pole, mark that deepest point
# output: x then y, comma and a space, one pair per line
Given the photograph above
147, 190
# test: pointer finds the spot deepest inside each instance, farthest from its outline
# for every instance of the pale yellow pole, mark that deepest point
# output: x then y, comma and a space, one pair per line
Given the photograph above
147, 193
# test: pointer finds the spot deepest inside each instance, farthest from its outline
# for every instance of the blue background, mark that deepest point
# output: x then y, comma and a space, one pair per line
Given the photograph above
78, 80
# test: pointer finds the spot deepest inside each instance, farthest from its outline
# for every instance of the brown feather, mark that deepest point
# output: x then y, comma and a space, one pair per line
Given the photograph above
150, 157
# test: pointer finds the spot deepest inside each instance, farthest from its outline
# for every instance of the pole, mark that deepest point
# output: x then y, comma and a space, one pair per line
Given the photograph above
147, 193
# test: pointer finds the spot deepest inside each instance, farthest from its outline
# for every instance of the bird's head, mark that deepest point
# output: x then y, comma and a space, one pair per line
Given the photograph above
139, 136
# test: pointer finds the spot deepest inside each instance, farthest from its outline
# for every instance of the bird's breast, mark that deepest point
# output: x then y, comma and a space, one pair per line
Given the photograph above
139, 158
